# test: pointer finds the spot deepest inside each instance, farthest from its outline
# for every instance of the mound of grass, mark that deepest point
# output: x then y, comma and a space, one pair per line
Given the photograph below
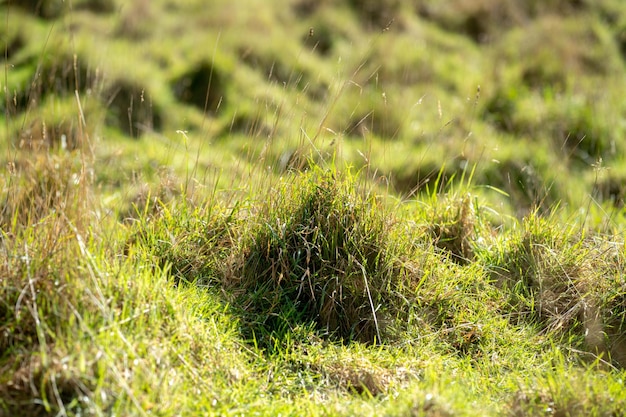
51, 9
131, 109
320, 255
560, 280
317, 253
55, 76
203, 87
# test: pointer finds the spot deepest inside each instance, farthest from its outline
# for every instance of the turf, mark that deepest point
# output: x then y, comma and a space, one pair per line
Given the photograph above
312, 208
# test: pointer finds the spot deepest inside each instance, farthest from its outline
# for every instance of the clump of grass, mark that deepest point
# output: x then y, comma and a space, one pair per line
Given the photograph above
131, 109
204, 86
501, 107
450, 215
484, 20
479, 20
409, 180
610, 187
380, 120
368, 112
542, 276
566, 284
42, 185
604, 320
38, 81
580, 134
194, 242
46, 202
47, 9
376, 14
51, 9
452, 228
135, 20
319, 254
529, 182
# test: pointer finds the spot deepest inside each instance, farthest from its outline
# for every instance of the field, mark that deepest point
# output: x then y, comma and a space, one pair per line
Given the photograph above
306, 207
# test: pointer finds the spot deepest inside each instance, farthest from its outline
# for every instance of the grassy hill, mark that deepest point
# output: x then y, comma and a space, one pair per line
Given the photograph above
313, 208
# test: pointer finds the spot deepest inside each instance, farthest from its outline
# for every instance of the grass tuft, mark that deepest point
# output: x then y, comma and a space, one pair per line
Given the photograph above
319, 254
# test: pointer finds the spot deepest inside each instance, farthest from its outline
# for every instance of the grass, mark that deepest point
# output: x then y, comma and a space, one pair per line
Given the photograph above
279, 220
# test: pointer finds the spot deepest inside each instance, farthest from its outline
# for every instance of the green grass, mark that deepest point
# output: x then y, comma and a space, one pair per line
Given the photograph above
306, 210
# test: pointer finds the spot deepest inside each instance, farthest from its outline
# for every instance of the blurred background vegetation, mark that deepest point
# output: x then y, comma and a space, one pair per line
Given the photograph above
527, 95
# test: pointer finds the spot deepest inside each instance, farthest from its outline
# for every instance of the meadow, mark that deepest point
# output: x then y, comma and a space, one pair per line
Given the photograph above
314, 208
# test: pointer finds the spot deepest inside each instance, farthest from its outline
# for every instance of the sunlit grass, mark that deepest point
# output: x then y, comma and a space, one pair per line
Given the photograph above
312, 210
